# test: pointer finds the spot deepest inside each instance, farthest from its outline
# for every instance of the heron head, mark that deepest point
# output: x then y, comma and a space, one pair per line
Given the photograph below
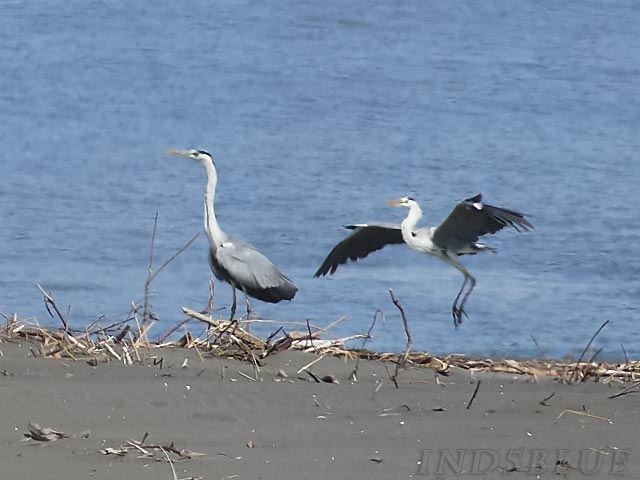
200, 156
402, 202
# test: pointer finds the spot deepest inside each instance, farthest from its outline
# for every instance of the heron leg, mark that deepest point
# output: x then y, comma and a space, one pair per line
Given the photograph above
246, 300
456, 310
234, 304
232, 321
249, 309
466, 295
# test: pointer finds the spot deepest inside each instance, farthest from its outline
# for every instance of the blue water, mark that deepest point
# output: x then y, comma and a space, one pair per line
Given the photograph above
318, 112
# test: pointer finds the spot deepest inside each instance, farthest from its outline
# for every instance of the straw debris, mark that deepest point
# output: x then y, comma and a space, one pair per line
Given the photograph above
127, 342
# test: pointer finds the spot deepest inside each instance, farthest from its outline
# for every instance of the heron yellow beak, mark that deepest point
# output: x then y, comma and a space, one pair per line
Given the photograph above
394, 203
181, 153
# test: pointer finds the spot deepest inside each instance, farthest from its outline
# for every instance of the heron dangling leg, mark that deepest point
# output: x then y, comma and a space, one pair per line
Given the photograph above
466, 295
458, 311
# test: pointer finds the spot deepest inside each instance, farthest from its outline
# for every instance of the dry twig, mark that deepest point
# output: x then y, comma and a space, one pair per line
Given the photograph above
629, 389
354, 373
473, 396
584, 414
147, 314
402, 362
50, 301
574, 374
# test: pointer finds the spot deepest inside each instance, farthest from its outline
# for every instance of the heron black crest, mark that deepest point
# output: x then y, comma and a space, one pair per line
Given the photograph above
204, 152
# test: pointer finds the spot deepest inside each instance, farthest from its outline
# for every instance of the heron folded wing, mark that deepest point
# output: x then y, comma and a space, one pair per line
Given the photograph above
471, 219
248, 268
367, 238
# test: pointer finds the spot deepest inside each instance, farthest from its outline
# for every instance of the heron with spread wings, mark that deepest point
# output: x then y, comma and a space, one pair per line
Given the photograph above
458, 235
234, 261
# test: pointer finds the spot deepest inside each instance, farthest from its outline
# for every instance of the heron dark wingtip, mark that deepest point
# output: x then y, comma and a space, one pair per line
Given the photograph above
508, 218
323, 270
527, 223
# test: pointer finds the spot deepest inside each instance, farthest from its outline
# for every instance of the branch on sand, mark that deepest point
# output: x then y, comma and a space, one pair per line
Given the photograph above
401, 360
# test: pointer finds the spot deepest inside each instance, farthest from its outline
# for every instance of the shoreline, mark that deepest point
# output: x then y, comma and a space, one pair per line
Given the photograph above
124, 341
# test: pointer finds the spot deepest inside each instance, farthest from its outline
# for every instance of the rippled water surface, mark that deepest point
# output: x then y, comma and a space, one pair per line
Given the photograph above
318, 112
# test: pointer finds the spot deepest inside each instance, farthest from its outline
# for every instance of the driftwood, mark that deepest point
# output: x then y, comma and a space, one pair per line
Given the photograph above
47, 434
150, 450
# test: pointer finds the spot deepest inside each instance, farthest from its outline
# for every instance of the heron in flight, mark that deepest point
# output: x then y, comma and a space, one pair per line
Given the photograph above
457, 235
232, 260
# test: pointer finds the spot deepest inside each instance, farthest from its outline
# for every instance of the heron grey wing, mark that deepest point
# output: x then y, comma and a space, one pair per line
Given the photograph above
247, 267
470, 219
215, 267
367, 238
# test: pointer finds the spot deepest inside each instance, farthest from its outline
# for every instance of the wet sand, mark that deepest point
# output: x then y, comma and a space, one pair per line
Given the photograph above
296, 428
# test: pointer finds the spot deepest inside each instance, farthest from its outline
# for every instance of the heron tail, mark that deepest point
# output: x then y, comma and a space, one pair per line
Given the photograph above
485, 248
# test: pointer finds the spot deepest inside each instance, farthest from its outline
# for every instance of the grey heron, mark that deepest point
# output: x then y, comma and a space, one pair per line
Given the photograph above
234, 261
457, 235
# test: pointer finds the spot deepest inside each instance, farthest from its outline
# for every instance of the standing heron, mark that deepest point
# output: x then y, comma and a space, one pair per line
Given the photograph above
457, 235
232, 260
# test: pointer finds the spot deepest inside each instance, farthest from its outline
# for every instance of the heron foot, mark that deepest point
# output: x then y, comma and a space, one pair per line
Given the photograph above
457, 314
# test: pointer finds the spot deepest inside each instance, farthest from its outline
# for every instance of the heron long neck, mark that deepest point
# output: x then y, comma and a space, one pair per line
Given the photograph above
409, 223
214, 232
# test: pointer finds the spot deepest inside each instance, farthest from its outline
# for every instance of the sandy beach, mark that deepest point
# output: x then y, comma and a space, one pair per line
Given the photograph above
286, 425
